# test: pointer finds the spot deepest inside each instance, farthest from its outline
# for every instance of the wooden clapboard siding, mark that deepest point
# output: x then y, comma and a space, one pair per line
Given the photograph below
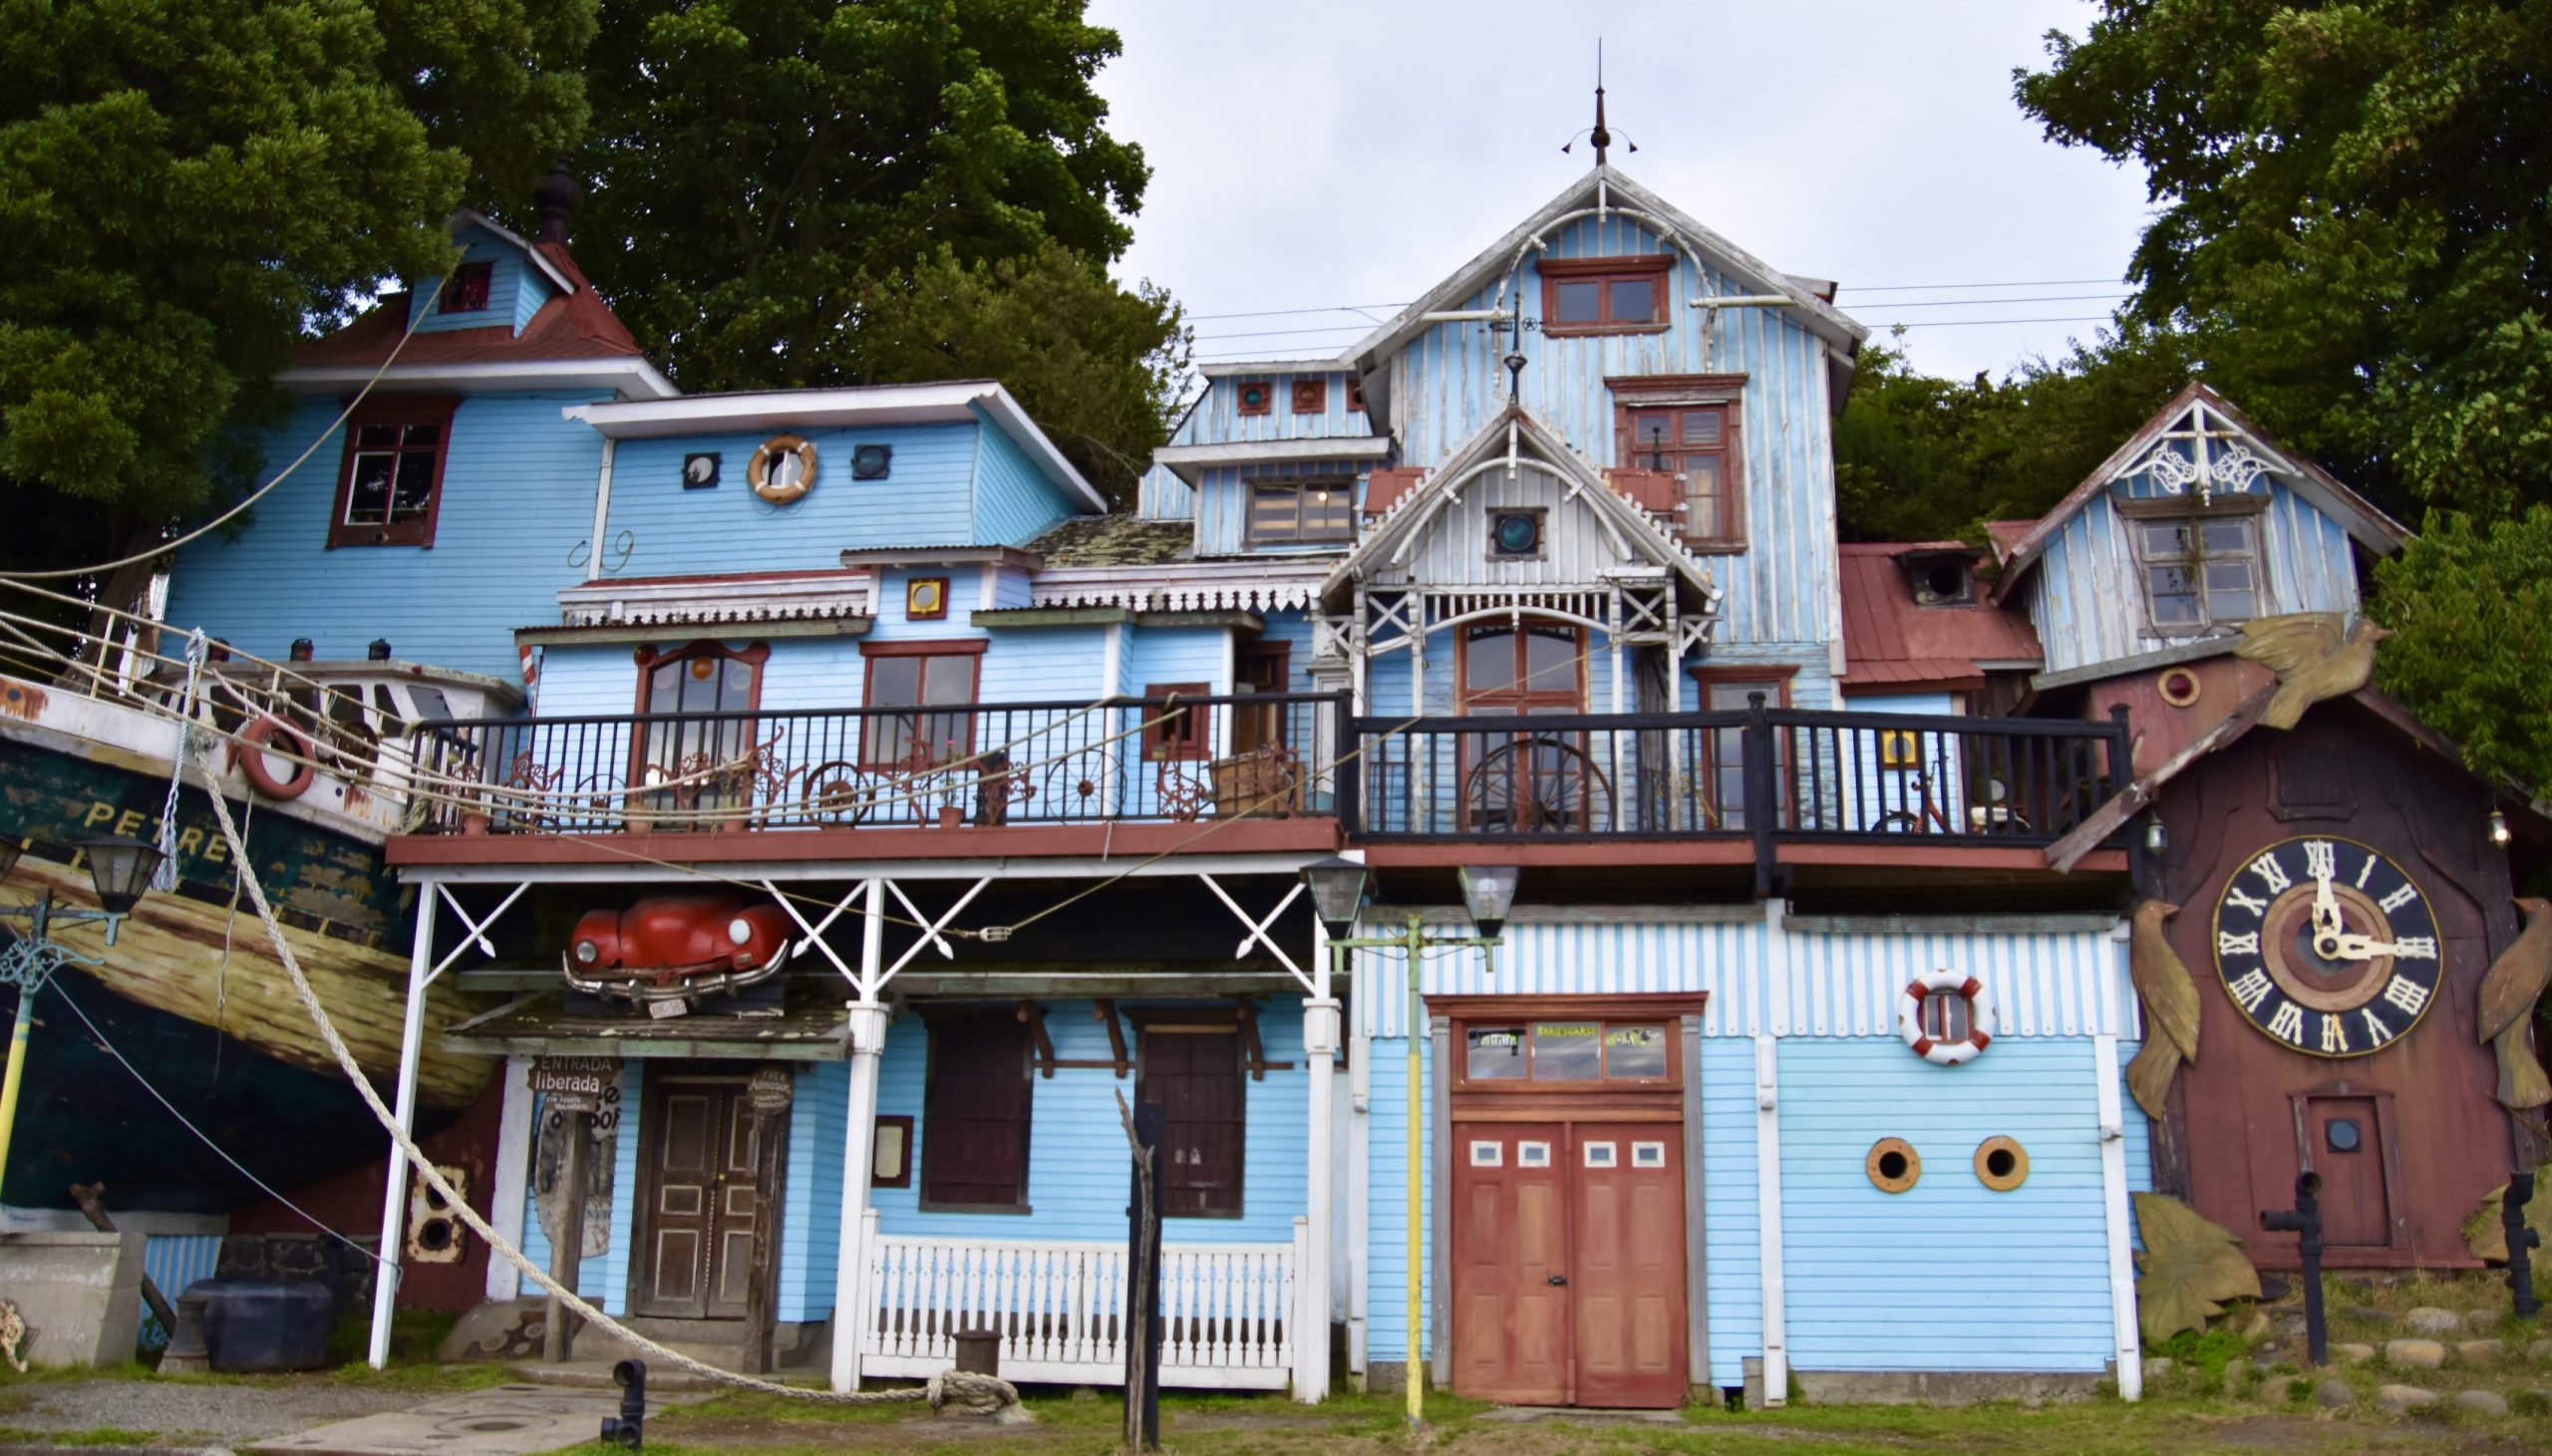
927, 499
811, 1221
518, 497
1015, 500
515, 289
1732, 1257
1077, 1166
1386, 1185
1949, 1276
1222, 505
1218, 418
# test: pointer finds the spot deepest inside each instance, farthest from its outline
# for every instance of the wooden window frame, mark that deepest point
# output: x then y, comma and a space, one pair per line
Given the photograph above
1659, 267
965, 647
912, 586
1356, 394
1517, 702
2246, 512
470, 289
1273, 714
1311, 395
1667, 1010
1541, 533
400, 409
1779, 676
1634, 394
1240, 398
654, 656
1344, 486
934, 1026
903, 1178
1185, 736
1200, 1021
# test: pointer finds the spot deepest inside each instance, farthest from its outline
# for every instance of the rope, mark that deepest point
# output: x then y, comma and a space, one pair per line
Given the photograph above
970, 1392
166, 877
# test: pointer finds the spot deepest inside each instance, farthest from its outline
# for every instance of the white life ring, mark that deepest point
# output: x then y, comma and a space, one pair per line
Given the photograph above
1980, 1016
765, 471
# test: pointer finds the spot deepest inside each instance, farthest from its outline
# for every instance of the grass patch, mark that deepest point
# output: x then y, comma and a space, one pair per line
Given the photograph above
93, 1436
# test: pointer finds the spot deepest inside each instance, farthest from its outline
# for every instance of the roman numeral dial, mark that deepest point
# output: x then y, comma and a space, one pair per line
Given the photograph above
2327, 946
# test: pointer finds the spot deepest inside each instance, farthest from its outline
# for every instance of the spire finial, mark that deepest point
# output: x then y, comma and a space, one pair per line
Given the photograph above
1602, 136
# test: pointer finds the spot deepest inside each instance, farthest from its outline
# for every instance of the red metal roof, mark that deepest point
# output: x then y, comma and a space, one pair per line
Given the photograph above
2008, 536
1890, 642
576, 325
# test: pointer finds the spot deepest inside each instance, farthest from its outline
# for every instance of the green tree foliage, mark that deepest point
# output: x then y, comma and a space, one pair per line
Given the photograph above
186, 186
2471, 607
2356, 214
797, 192
1918, 458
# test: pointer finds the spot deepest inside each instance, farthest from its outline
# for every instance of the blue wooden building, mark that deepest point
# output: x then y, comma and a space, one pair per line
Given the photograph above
990, 808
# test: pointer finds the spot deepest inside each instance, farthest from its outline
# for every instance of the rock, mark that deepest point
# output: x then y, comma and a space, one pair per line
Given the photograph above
2429, 1319
2482, 1402
2158, 1367
2404, 1398
2413, 1355
2268, 1361
2334, 1394
2256, 1326
2274, 1289
2482, 1320
2353, 1354
2289, 1326
2479, 1351
2367, 1315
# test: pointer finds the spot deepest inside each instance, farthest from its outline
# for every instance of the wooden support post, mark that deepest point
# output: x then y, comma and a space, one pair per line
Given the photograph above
1311, 1295
91, 1198
769, 1092
567, 1251
853, 1314
394, 1183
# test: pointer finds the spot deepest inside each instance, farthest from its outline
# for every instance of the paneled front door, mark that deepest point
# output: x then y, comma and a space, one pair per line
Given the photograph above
697, 1202
2344, 1142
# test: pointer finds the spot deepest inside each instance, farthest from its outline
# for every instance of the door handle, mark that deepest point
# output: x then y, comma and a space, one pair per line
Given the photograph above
1560, 1279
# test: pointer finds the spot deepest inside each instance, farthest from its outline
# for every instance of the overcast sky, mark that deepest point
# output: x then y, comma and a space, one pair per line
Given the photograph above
1319, 154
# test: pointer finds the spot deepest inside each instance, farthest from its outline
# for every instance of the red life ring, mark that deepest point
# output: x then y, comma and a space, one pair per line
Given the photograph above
1980, 1016
248, 757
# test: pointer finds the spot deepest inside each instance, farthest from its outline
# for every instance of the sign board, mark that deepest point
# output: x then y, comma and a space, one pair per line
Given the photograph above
575, 1082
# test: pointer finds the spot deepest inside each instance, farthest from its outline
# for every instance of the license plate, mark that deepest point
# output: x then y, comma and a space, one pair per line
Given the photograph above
666, 1010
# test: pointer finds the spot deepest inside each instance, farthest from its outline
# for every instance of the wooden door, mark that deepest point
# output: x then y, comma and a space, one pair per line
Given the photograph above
1626, 1265
2344, 1143
1510, 1262
1194, 1073
698, 1198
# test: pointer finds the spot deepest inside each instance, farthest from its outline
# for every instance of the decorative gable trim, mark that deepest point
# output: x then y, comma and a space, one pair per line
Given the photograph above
713, 601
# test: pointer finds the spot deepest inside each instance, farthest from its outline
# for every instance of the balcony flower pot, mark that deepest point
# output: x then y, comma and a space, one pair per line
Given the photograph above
474, 821
950, 816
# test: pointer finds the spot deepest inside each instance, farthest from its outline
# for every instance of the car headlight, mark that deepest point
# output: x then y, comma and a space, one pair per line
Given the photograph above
587, 953
739, 929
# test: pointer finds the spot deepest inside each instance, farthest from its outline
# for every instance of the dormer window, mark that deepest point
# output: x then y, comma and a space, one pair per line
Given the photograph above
1625, 295
2199, 571
1301, 513
467, 291
1939, 578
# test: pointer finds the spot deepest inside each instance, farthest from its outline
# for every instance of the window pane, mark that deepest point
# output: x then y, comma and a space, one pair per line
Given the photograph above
1566, 1051
1634, 300
664, 688
948, 679
2172, 581
1634, 1052
420, 437
413, 489
1650, 435
2227, 576
2227, 538
1274, 512
2232, 606
368, 500
376, 437
2166, 541
1488, 660
1550, 660
1325, 511
1700, 496
1701, 427
1578, 301
894, 682
1493, 1053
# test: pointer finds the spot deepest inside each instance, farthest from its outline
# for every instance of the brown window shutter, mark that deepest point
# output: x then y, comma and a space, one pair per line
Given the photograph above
1194, 1073
975, 1117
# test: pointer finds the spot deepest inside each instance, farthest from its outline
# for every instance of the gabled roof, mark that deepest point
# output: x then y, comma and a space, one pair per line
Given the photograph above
1115, 540
2367, 526
1891, 640
1606, 188
1536, 443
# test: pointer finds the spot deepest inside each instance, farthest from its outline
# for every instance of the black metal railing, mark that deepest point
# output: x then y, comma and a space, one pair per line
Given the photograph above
1166, 758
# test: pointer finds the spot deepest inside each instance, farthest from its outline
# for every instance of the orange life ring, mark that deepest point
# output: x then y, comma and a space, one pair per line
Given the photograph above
763, 471
248, 757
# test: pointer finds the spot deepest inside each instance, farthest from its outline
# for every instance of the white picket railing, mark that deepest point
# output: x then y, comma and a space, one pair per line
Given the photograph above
1227, 1309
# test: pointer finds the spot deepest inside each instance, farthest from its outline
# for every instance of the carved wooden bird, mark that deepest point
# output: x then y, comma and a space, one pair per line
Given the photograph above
2169, 994
2316, 655
2508, 996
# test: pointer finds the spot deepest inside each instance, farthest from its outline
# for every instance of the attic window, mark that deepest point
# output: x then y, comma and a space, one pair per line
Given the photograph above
1356, 394
467, 292
1621, 295
1299, 512
1257, 397
1939, 578
2199, 572
1311, 395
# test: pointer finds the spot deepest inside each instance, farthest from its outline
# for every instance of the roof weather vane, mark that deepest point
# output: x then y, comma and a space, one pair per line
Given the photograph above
1599, 133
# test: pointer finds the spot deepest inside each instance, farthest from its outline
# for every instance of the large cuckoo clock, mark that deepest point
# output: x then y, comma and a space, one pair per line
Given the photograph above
2327, 946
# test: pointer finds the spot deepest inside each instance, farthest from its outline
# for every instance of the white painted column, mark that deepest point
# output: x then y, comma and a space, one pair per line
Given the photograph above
1767, 1212
513, 1174
1360, 1197
1319, 1056
867, 1041
2113, 1202
393, 1187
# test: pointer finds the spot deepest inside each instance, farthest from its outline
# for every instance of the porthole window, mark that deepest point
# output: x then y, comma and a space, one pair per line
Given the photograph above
1894, 1165
2002, 1164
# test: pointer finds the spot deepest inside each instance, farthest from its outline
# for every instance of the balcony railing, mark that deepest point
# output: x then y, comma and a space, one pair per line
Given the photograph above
987, 765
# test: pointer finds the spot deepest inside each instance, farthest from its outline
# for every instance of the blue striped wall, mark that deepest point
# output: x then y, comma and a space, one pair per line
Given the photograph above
1077, 1163
518, 501
1222, 505
1161, 495
515, 289
603, 1278
1387, 1199
811, 1198
1015, 500
1731, 1249
174, 1261
927, 499
1217, 420
1180, 655
1949, 1276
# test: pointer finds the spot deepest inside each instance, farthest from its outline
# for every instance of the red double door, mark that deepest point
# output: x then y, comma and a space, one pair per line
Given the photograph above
1568, 1263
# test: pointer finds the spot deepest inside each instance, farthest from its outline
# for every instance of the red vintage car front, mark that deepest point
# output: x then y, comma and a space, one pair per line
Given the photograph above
676, 948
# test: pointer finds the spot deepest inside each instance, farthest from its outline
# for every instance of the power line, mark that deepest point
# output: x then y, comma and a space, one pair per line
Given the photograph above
1279, 333
1939, 287
1982, 302
1271, 313
1969, 322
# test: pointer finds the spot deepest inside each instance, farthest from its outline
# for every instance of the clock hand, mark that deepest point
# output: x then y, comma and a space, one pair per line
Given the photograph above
2356, 947
2326, 904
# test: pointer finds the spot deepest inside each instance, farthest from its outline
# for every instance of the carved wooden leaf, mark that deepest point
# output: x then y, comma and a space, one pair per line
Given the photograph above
2517, 979
2189, 1267
2487, 1238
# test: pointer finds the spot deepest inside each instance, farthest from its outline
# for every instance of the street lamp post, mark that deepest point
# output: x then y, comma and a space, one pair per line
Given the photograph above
1338, 896
120, 868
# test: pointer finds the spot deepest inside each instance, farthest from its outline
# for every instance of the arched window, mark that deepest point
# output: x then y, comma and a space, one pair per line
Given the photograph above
699, 755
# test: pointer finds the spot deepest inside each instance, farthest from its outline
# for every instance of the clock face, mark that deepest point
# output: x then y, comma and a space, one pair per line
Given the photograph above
2327, 946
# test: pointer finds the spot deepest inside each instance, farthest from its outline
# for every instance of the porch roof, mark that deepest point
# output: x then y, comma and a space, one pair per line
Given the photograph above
810, 1027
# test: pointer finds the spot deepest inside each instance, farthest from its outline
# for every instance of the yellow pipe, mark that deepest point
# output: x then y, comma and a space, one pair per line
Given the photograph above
1413, 1362
17, 1067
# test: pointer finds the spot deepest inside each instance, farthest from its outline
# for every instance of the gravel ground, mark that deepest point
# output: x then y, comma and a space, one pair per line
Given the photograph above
191, 1414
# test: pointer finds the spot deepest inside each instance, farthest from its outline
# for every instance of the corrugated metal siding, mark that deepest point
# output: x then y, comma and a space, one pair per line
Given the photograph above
1948, 1276
1732, 1250
1015, 502
2043, 984
517, 498
1077, 1163
1781, 590
811, 1199
926, 500
175, 1261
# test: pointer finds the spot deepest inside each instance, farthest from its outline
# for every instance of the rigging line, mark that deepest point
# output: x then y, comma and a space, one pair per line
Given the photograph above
1938, 287
1989, 302
1972, 323
1275, 313
1282, 333
416, 317
268, 1189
